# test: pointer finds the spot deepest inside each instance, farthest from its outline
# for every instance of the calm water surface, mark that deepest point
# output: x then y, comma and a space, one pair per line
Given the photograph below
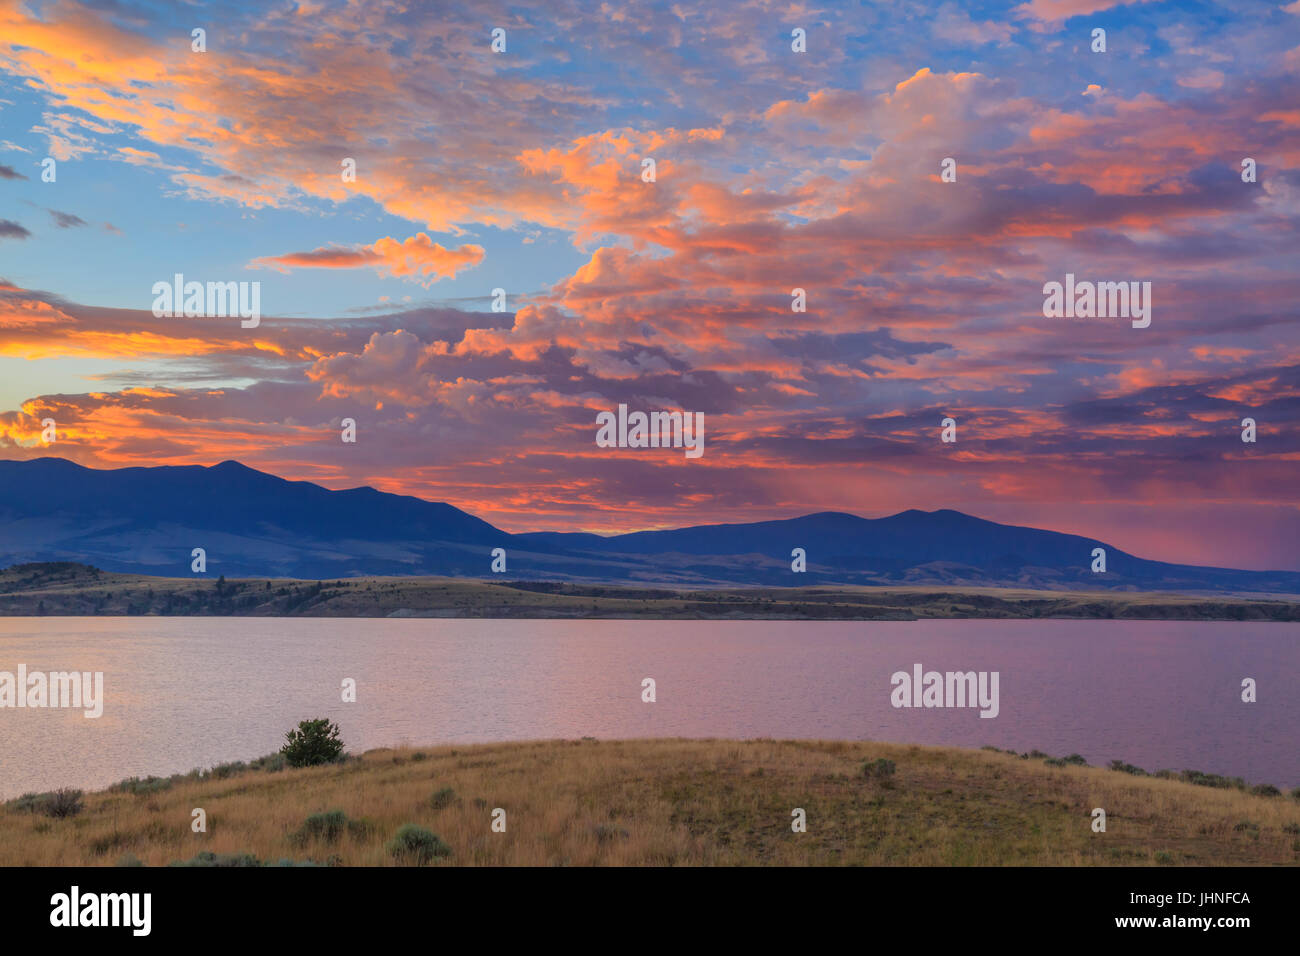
189, 692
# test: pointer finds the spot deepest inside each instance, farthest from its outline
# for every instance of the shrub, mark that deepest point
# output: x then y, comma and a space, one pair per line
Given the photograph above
1075, 759
271, 763
327, 826
1054, 762
223, 770
1213, 780
24, 804
1266, 790
606, 833
443, 798
208, 858
142, 785
415, 844
1123, 767
314, 742
53, 803
878, 769
360, 829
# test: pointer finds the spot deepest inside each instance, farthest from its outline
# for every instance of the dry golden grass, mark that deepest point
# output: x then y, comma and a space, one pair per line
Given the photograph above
682, 802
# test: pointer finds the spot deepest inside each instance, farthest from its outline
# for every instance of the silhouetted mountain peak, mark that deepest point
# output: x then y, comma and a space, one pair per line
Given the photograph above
250, 523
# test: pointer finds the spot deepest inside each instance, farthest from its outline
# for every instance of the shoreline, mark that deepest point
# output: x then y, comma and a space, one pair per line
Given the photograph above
73, 590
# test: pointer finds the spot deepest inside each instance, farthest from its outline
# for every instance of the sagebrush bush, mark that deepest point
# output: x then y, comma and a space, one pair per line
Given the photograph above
271, 763
64, 803
1129, 768
224, 770
416, 845
52, 803
327, 826
606, 833
142, 785
878, 769
208, 858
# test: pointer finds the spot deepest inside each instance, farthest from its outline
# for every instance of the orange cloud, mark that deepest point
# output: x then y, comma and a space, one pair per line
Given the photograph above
417, 257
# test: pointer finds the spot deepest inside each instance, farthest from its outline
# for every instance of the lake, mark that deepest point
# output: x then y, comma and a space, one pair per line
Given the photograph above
187, 692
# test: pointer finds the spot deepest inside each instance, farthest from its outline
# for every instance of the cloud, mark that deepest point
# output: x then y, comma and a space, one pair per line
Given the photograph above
65, 220
1203, 79
1050, 11
8, 172
821, 172
955, 25
12, 230
417, 257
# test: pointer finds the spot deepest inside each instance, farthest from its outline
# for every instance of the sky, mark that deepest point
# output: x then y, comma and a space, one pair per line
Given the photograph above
775, 169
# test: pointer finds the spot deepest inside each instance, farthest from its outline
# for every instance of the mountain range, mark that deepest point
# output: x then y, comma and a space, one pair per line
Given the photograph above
252, 524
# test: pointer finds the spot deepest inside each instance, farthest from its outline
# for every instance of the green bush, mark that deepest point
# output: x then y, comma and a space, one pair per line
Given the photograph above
52, 803
443, 798
142, 785
314, 742
1212, 780
24, 804
327, 826
1266, 790
415, 844
271, 763
208, 858
1123, 767
66, 803
605, 833
1075, 759
878, 769
224, 770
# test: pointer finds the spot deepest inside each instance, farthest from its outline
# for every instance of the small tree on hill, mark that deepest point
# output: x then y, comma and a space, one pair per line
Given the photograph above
313, 742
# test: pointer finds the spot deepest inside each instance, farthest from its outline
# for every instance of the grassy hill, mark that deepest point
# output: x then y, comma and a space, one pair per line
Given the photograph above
666, 802
80, 590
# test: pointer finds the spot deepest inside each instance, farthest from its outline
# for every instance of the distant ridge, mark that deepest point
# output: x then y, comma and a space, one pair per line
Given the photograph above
251, 524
